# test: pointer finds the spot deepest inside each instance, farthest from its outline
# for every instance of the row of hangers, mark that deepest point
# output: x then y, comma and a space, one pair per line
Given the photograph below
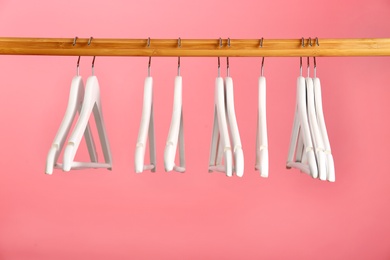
226, 153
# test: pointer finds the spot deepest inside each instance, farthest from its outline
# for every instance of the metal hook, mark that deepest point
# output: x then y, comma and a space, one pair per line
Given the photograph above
219, 67
74, 40
219, 59
262, 61
148, 42
310, 42
78, 66
78, 60
300, 66
300, 59
178, 60
318, 44
93, 65
308, 66
227, 67
150, 57
93, 60
227, 60
315, 67
178, 66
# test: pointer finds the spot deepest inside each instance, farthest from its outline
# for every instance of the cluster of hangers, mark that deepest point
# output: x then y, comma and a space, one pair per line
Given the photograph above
84, 101
309, 140
310, 150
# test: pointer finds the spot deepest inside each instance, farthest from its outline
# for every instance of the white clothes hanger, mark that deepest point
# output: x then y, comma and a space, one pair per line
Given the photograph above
330, 170
314, 128
232, 121
176, 132
91, 103
301, 128
261, 133
221, 158
74, 105
146, 128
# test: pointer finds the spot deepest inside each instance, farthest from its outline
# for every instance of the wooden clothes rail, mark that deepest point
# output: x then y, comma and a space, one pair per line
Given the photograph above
195, 47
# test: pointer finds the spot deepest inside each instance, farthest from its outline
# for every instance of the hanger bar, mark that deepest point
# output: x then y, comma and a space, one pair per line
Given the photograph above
195, 47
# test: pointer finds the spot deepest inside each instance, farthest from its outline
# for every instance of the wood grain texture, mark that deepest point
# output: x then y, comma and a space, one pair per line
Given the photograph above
195, 47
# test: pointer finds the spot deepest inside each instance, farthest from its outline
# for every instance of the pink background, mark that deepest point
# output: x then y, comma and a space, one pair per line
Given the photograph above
97, 214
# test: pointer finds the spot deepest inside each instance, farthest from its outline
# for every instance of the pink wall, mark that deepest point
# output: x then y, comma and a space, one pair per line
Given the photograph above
97, 214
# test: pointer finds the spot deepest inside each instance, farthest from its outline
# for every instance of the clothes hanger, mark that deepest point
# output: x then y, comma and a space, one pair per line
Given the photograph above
330, 170
318, 143
232, 122
301, 128
221, 158
146, 128
176, 132
75, 100
91, 103
261, 133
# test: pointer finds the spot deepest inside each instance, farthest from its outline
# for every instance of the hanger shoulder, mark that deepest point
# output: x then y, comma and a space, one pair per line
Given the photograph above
75, 100
174, 129
318, 143
323, 130
305, 129
91, 103
261, 135
223, 126
145, 128
234, 131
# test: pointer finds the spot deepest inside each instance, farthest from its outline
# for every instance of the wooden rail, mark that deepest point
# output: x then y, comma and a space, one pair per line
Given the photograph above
196, 47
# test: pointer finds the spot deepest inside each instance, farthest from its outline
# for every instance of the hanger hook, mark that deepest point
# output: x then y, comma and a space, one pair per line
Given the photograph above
310, 42
219, 67
227, 60
78, 60
93, 60
300, 58
308, 66
262, 61
315, 67
317, 42
78, 66
178, 60
219, 59
150, 57
74, 40
227, 67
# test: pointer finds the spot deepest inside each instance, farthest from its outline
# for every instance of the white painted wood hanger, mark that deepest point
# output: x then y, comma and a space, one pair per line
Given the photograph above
91, 103
176, 132
146, 128
74, 105
221, 158
261, 133
321, 122
233, 126
301, 127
